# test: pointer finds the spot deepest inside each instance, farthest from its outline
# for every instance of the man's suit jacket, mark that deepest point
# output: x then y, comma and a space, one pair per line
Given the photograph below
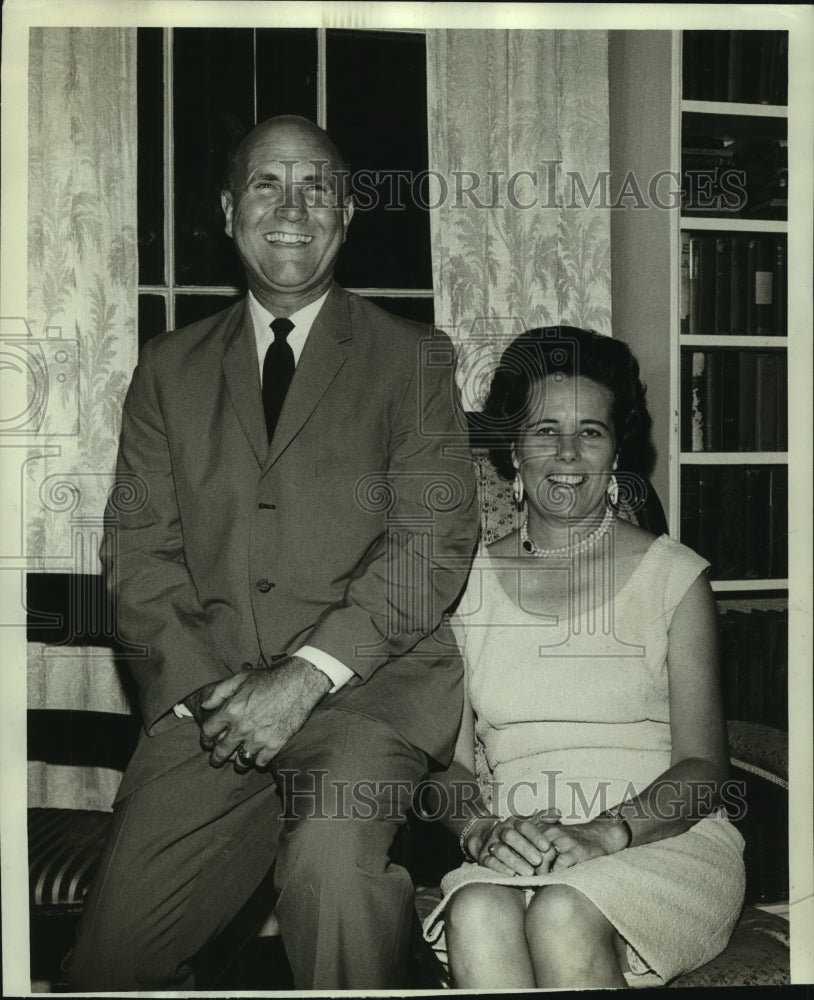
352, 533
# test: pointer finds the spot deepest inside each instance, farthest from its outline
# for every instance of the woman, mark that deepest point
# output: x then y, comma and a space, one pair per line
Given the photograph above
603, 858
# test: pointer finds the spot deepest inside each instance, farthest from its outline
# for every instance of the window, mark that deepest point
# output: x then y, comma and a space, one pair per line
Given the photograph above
199, 88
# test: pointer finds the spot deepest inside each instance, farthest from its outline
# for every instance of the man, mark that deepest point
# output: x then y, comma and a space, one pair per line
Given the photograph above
285, 566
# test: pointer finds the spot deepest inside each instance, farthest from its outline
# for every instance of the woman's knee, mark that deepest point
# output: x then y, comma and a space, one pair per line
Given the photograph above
480, 905
560, 913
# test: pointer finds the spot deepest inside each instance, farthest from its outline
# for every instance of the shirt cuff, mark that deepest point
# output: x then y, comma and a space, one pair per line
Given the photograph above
182, 711
338, 674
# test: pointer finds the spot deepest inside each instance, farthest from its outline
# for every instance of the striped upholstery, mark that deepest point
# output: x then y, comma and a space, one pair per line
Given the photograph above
63, 848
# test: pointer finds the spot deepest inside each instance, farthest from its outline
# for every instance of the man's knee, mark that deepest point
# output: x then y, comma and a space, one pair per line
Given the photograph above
341, 851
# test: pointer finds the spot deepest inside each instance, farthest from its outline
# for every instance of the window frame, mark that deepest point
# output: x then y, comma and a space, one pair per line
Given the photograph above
169, 291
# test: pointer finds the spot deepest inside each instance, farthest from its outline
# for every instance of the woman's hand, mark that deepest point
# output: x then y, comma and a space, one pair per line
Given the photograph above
515, 846
585, 841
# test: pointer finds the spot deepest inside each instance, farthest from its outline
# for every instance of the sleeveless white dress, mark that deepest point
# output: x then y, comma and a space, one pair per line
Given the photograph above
574, 714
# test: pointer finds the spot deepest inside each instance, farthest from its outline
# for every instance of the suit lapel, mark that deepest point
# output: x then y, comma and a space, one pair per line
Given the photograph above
242, 374
323, 355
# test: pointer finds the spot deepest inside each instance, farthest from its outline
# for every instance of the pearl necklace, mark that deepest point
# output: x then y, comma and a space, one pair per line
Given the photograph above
566, 550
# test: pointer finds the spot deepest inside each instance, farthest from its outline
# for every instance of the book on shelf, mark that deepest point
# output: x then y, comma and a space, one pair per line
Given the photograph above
711, 416
747, 67
723, 283
759, 303
733, 284
747, 401
730, 399
738, 284
766, 386
733, 400
756, 526
693, 400
780, 287
685, 410
689, 509
782, 403
779, 525
729, 552
736, 517
684, 283
702, 285
777, 682
709, 512
734, 86
773, 85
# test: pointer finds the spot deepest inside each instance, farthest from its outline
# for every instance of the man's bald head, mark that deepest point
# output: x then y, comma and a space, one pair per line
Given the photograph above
289, 129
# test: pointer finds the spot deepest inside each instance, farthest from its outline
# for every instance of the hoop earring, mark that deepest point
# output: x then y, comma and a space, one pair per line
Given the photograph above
517, 489
613, 491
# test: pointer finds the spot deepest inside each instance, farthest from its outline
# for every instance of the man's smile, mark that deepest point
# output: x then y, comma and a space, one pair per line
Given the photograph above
289, 239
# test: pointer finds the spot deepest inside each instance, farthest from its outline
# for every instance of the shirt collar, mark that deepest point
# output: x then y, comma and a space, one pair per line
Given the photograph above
303, 320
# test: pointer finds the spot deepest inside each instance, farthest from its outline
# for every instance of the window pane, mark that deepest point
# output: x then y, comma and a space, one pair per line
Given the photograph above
286, 72
377, 115
213, 103
152, 318
150, 156
191, 308
421, 310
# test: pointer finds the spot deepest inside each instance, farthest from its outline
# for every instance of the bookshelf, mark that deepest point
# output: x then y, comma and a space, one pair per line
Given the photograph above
712, 342
732, 384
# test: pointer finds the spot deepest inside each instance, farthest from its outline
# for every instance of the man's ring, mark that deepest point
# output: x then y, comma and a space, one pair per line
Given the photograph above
492, 848
243, 756
553, 847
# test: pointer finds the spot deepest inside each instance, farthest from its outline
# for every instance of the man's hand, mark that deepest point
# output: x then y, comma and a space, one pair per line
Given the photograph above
194, 702
260, 709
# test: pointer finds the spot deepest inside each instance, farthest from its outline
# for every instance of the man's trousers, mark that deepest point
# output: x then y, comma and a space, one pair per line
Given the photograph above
187, 850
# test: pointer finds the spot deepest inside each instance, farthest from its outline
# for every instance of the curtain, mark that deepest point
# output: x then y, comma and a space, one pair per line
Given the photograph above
519, 151
82, 304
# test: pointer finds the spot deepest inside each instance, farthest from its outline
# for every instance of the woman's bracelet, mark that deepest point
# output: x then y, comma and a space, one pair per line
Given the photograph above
469, 826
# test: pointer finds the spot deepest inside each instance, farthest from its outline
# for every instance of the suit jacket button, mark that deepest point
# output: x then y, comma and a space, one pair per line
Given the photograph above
264, 586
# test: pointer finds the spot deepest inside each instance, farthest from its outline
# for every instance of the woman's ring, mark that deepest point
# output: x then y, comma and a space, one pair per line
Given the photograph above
492, 848
243, 756
553, 847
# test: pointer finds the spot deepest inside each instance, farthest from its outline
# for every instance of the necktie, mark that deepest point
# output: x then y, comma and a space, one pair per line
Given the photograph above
278, 369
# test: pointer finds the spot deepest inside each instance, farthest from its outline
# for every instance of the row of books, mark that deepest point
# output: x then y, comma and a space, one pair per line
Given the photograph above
749, 67
734, 400
754, 666
737, 517
733, 283
734, 177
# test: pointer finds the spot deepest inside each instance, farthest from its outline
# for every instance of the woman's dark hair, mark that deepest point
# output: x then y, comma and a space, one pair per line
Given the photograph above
572, 352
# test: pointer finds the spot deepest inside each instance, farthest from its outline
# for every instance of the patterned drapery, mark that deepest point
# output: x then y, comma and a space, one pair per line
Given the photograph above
82, 303
518, 124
